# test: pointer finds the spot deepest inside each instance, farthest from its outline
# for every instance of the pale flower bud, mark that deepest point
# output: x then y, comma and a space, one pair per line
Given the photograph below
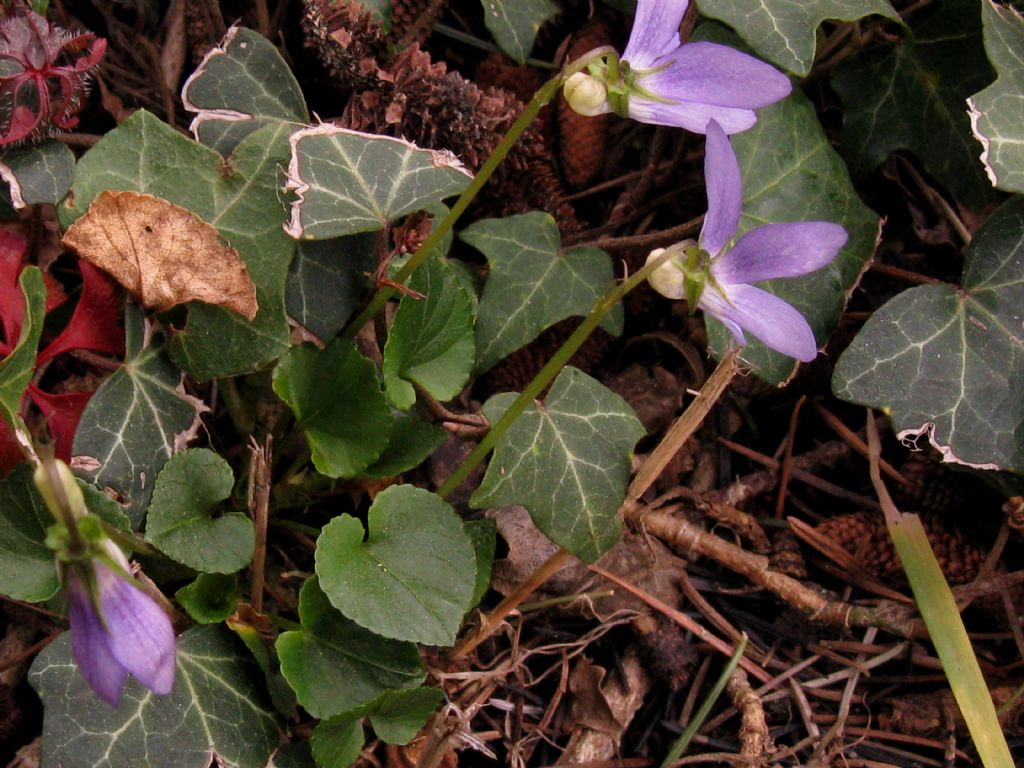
586, 94
667, 279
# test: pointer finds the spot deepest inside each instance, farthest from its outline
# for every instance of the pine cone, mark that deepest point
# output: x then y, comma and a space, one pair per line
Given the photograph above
864, 535
413, 97
582, 141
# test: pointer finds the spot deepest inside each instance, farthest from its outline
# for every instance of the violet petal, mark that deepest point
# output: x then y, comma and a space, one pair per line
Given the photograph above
655, 31
141, 635
717, 74
774, 322
89, 645
780, 250
690, 115
725, 191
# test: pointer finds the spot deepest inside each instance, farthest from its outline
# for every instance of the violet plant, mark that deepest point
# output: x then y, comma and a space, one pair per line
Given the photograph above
340, 634
715, 272
662, 81
116, 628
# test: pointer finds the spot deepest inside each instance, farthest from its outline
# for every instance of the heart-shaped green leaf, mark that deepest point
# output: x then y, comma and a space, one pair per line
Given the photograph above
785, 32
130, 426
431, 340
567, 461
36, 173
335, 665
411, 577
397, 716
514, 23
349, 182
910, 95
947, 361
791, 173
240, 197
533, 284
337, 400
240, 86
215, 709
181, 521
337, 742
997, 113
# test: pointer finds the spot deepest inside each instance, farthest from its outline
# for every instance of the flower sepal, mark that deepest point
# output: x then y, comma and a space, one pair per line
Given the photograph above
685, 275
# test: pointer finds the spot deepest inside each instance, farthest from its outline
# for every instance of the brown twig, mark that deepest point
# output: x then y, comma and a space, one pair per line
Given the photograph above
787, 458
690, 540
684, 621
491, 621
757, 483
259, 508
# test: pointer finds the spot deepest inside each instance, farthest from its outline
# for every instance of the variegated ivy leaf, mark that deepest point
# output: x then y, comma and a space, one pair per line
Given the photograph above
241, 85
348, 182
514, 23
36, 173
947, 361
910, 95
566, 460
784, 32
997, 113
217, 712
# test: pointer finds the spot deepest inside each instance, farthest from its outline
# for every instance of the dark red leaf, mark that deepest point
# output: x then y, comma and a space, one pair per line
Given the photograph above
62, 413
95, 324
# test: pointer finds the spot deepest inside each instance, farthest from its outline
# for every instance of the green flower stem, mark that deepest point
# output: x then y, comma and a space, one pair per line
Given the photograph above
537, 103
548, 373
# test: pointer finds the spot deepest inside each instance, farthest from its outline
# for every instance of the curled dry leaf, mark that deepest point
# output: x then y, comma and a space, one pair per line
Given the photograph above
162, 253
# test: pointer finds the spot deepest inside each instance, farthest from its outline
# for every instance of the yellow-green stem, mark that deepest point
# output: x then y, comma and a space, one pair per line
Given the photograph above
547, 374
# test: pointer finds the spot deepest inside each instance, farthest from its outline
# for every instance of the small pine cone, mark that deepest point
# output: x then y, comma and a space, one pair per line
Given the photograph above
786, 556
864, 536
347, 40
934, 489
420, 100
582, 141
666, 651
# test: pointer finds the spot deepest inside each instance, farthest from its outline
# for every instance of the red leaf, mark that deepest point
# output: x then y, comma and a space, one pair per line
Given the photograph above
95, 324
12, 303
62, 412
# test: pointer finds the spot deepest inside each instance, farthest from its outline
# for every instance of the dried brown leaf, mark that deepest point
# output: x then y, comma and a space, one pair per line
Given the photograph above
162, 253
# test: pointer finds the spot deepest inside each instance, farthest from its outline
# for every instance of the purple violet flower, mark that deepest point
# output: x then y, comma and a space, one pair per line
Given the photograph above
116, 628
662, 81
715, 275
